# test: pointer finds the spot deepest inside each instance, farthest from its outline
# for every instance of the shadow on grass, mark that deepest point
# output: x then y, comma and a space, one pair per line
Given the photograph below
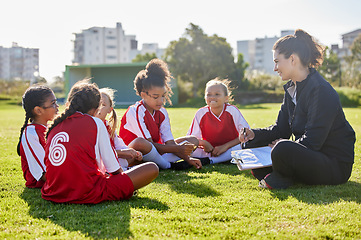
181, 182
318, 194
107, 220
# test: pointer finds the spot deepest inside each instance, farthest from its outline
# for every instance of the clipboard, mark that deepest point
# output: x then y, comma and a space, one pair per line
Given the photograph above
252, 158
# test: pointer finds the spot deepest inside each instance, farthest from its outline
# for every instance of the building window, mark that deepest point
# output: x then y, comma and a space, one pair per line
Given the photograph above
133, 44
111, 46
111, 57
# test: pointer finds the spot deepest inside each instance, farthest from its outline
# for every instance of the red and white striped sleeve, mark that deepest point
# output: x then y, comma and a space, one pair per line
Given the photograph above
195, 129
239, 121
135, 121
165, 129
105, 153
34, 152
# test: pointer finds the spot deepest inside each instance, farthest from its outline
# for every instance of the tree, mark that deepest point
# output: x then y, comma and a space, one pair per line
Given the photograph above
144, 58
239, 75
39, 80
354, 64
331, 67
197, 58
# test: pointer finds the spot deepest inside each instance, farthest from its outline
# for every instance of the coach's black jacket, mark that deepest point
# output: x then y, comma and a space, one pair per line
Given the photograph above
317, 121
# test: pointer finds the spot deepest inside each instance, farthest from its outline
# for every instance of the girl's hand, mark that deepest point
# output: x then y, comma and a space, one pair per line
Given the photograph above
207, 147
129, 154
219, 150
245, 135
195, 162
274, 142
186, 148
139, 156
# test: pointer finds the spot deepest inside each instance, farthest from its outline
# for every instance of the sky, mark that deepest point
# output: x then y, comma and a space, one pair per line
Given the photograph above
50, 25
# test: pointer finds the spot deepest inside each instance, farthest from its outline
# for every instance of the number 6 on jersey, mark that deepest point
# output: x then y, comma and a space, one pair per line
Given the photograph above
57, 151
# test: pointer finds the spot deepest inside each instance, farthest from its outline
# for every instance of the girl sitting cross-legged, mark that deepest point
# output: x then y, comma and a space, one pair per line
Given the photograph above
81, 164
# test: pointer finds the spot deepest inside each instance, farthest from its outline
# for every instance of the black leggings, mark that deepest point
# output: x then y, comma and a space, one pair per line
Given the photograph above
295, 161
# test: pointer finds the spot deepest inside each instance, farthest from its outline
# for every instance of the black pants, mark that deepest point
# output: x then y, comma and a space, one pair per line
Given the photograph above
295, 161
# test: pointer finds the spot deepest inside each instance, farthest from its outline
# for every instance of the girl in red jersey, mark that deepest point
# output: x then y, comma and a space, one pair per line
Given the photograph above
127, 155
77, 149
40, 106
217, 125
149, 119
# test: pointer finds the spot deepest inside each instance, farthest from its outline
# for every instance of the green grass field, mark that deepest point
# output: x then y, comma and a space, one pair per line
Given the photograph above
217, 202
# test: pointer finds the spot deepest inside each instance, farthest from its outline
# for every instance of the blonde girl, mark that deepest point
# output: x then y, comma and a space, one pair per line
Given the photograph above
127, 155
217, 124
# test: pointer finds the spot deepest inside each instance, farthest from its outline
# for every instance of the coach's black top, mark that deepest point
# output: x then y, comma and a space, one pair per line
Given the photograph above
317, 120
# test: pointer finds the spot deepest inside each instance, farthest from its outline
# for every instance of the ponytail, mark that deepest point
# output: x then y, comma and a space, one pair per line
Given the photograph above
21, 133
68, 112
304, 45
113, 124
109, 93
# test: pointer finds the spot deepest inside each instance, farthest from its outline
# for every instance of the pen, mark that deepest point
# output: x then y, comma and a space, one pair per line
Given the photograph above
244, 137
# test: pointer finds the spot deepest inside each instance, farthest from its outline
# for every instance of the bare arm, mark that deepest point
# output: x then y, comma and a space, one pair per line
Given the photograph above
222, 148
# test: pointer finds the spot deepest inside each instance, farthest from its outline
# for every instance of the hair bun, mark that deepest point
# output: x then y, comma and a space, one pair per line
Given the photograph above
299, 33
157, 68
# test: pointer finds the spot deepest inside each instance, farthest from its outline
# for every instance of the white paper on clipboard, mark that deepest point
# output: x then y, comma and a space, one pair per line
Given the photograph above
252, 158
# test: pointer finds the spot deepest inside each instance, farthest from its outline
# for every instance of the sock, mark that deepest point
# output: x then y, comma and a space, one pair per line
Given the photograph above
226, 156
154, 156
180, 165
205, 161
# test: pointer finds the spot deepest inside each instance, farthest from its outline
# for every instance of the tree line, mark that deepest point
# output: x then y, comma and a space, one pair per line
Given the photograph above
196, 58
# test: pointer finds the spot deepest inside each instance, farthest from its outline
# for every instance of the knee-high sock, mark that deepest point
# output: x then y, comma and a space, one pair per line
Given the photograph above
154, 156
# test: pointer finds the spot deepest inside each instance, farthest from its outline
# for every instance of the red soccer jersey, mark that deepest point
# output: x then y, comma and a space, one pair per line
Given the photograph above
217, 130
138, 122
76, 150
32, 154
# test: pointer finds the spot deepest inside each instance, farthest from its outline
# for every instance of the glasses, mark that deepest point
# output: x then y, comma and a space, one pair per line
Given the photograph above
157, 96
53, 104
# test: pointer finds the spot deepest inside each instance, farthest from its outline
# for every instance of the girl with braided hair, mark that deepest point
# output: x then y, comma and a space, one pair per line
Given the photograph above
82, 166
40, 106
149, 119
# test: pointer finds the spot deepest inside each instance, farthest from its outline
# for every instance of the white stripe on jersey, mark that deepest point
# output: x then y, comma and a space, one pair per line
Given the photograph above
30, 136
136, 123
105, 154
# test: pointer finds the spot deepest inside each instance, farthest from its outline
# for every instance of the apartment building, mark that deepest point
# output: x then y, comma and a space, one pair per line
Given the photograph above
102, 45
347, 40
18, 63
152, 48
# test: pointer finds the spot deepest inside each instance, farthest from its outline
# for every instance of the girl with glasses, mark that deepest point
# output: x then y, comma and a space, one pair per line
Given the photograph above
40, 107
149, 119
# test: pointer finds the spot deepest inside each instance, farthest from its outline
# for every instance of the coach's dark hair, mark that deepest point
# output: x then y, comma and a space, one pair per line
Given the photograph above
156, 74
83, 96
304, 45
34, 96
